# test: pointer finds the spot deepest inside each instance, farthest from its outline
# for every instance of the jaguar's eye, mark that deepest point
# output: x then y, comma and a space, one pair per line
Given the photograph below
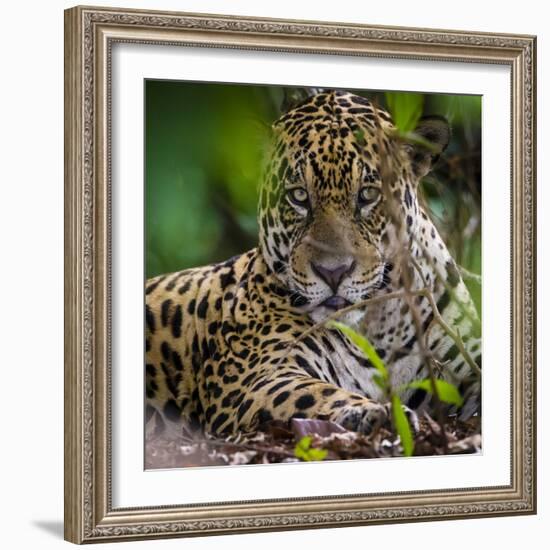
368, 195
298, 195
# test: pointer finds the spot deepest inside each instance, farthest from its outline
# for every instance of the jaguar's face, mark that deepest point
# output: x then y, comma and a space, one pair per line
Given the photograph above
324, 221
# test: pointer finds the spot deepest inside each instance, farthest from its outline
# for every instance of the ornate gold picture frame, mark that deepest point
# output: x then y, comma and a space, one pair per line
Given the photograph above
90, 34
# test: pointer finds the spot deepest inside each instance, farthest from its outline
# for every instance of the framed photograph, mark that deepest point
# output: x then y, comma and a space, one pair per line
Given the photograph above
289, 245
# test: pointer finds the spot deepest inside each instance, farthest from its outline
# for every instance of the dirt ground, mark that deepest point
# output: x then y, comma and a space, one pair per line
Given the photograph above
279, 442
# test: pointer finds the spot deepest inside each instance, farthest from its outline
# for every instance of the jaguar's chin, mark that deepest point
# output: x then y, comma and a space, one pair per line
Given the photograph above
323, 312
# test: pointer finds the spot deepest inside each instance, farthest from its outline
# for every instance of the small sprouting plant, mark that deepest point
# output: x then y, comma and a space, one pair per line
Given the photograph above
446, 392
304, 450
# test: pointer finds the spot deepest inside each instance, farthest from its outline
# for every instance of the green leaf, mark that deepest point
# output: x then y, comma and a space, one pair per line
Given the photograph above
305, 443
364, 345
445, 391
306, 452
360, 137
402, 426
405, 108
379, 381
416, 139
316, 454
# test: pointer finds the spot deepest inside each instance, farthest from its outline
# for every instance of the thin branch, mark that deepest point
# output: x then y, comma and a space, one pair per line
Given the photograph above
405, 259
397, 295
475, 321
337, 314
469, 276
455, 336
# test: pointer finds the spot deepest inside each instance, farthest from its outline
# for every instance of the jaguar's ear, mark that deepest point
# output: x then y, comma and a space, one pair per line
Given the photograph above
434, 134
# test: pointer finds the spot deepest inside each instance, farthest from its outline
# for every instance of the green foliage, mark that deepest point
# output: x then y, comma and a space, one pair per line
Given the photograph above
406, 109
402, 426
359, 137
204, 151
445, 391
304, 450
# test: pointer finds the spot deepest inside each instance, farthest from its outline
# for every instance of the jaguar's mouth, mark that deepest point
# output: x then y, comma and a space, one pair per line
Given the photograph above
335, 303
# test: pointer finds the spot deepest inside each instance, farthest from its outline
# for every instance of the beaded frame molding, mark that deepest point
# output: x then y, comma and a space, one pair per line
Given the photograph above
89, 36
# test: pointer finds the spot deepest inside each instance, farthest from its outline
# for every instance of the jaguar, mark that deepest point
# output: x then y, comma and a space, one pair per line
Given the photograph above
342, 232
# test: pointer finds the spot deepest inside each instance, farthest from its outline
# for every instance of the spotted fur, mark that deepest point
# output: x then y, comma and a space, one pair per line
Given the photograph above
224, 345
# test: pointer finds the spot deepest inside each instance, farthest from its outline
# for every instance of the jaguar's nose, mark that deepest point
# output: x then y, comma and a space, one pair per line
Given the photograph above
333, 276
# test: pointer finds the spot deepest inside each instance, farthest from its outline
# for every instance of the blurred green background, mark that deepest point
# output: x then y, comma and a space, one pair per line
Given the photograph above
204, 148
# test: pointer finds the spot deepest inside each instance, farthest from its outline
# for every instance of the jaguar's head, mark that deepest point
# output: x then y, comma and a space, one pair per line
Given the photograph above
325, 227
